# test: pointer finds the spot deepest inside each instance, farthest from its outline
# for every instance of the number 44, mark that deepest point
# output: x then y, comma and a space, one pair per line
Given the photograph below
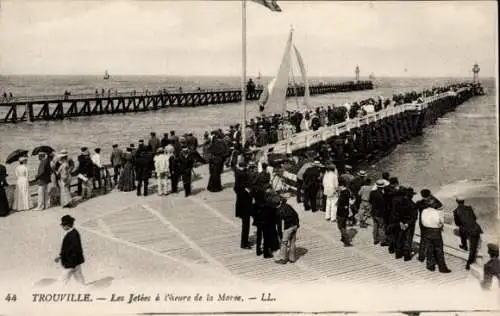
11, 297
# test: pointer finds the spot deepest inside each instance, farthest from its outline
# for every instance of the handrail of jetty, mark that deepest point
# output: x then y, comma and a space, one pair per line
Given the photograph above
309, 138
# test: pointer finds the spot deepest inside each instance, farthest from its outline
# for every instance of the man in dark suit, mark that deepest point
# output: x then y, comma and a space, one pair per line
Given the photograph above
468, 229
116, 161
165, 141
343, 206
290, 219
405, 216
377, 200
393, 197
174, 141
244, 206
144, 165
81, 158
43, 179
187, 159
71, 255
85, 168
311, 184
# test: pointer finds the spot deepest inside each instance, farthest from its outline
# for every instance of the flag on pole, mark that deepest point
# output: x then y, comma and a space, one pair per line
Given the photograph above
270, 4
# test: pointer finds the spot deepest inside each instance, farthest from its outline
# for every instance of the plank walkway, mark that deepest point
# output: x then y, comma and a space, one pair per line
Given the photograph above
202, 231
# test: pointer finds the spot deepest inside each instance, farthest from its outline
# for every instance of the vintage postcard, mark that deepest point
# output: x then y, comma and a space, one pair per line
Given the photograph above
249, 156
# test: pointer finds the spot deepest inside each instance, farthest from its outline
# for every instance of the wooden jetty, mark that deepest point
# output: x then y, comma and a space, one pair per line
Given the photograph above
59, 107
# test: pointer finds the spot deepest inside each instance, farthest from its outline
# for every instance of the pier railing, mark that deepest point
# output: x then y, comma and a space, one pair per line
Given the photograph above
309, 138
58, 107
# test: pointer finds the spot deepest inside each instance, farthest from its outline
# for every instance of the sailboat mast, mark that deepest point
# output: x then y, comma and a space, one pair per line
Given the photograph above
243, 69
294, 86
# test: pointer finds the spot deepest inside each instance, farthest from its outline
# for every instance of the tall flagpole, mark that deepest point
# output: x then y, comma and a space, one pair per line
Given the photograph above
243, 68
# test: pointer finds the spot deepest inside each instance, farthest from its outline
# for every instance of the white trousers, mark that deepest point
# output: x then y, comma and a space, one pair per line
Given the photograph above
76, 272
43, 197
162, 185
331, 205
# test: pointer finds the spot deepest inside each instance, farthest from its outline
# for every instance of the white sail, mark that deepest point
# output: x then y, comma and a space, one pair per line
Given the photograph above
264, 97
276, 100
304, 76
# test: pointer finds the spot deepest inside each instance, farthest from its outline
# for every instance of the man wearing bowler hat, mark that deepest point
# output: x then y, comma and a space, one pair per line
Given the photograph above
71, 255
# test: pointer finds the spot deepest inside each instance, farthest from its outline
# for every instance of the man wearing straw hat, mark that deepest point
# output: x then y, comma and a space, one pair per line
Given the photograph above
71, 255
379, 210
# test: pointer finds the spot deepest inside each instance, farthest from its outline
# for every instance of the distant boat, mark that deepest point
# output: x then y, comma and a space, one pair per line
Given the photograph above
259, 76
106, 75
371, 77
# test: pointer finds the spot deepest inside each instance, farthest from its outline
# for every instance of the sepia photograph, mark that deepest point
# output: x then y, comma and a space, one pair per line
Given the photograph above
249, 157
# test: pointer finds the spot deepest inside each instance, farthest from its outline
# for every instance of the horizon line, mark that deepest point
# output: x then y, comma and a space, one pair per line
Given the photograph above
238, 76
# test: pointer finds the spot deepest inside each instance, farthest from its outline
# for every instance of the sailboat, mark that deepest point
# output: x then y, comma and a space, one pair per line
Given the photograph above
106, 75
273, 98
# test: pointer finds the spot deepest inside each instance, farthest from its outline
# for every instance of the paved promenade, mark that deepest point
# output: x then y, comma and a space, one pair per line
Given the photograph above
132, 238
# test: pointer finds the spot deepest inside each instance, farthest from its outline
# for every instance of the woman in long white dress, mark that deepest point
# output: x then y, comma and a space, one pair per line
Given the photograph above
22, 201
64, 173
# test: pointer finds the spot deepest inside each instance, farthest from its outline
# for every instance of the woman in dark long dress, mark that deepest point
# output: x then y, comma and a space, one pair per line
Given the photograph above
217, 153
4, 203
127, 176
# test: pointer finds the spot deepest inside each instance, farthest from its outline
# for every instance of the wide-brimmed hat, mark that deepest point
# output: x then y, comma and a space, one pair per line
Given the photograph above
460, 199
348, 167
160, 150
361, 173
380, 183
67, 220
23, 158
63, 153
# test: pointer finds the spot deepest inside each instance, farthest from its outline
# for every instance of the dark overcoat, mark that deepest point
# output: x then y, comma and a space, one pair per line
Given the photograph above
71, 250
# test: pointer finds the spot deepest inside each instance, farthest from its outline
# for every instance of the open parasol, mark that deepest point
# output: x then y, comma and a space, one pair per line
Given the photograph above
15, 155
42, 149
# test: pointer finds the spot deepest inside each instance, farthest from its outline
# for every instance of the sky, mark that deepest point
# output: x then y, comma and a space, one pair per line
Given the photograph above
415, 39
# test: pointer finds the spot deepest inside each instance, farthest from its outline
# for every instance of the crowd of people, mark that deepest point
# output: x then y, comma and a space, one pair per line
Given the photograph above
351, 199
134, 166
171, 158
323, 183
